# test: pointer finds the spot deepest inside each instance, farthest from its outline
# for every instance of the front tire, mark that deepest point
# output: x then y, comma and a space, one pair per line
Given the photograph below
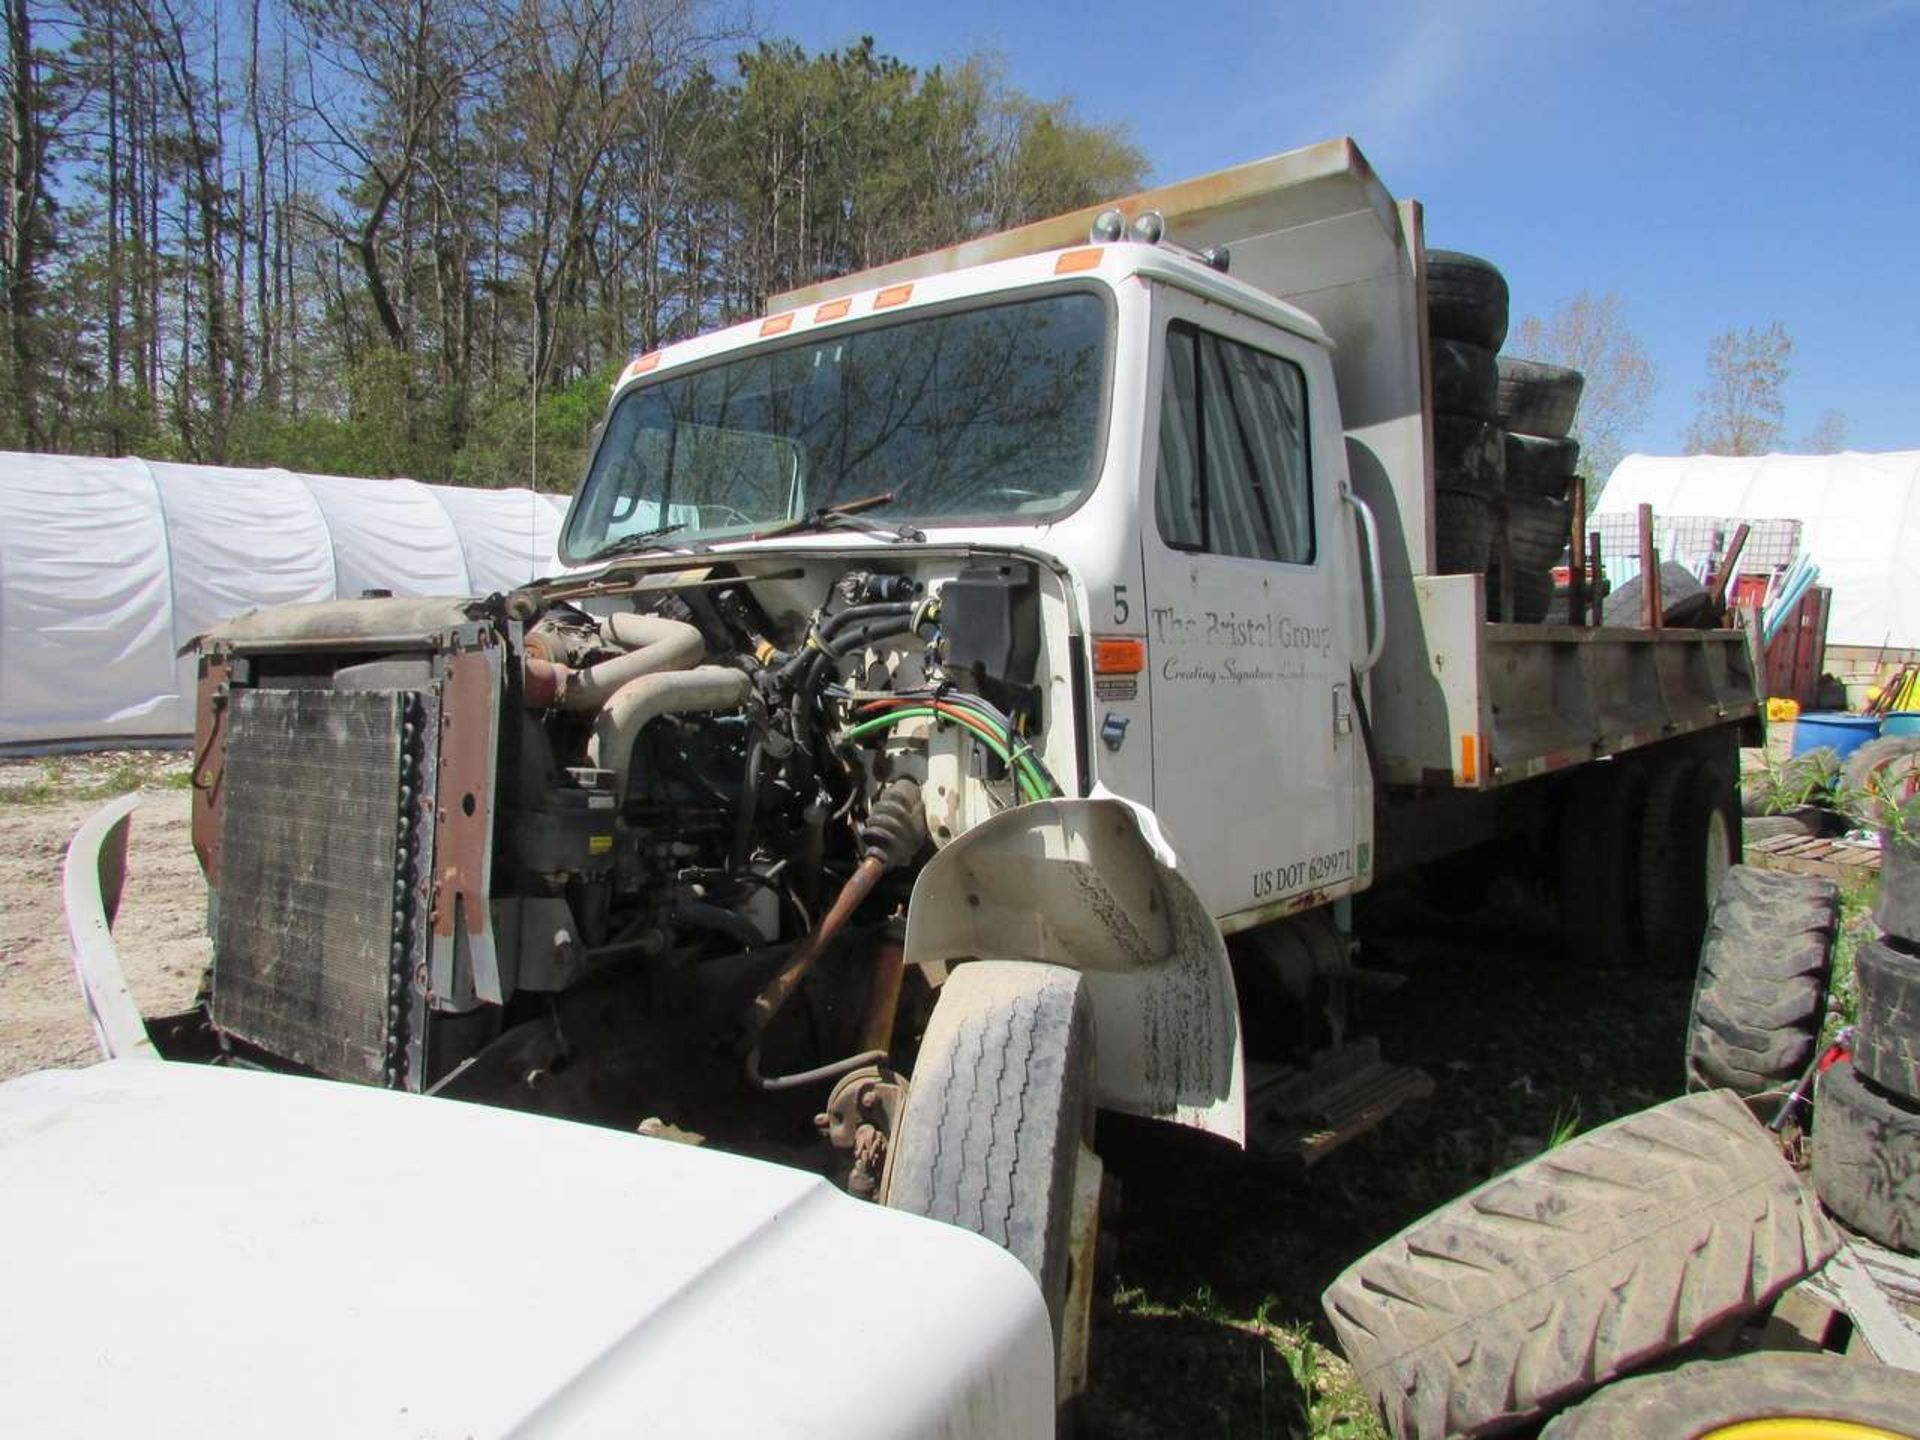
998, 1114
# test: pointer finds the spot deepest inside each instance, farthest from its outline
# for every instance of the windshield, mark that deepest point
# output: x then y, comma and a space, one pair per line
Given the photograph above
990, 413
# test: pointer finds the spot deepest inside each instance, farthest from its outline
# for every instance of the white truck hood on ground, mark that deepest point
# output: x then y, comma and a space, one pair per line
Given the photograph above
205, 1252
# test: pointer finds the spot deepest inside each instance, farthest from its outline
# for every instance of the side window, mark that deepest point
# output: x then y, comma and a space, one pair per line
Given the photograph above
1234, 476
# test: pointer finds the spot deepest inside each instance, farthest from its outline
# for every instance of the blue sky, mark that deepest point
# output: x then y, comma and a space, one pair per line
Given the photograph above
1719, 164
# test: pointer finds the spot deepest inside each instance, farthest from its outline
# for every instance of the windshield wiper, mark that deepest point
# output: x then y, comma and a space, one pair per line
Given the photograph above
844, 516
633, 544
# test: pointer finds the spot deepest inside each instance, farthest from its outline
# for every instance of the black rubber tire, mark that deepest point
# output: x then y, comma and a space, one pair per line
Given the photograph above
1689, 841
1896, 908
1878, 778
1466, 299
1771, 827
1537, 398
1599, 884
1677, 586
1616, 1248
1790, 788
1538, 530
1462, 532
1000, 1100
1696, 1400
1469, 455
1463, 378
1540, 466
1761, 992
1532, 596
1886, 1033
1866, 1158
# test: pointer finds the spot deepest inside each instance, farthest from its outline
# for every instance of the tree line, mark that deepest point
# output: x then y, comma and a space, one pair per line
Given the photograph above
420, 236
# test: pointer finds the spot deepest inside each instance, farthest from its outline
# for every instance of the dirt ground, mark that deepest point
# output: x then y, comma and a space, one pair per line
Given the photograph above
162, 924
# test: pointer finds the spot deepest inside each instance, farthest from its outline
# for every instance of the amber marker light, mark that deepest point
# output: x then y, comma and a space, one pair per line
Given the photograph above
893, 295
777, 324
832, 310
1072, 262
1118, 655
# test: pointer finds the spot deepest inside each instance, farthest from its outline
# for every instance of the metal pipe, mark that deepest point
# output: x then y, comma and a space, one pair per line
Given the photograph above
883, 995
652, 644
771, 1000
672, 692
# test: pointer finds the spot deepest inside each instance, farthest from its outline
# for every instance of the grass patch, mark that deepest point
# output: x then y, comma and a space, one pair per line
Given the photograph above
1857, 894
63, 779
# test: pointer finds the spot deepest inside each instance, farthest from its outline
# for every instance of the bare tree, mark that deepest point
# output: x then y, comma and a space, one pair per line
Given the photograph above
1589, 333
1741, 406
1829, 437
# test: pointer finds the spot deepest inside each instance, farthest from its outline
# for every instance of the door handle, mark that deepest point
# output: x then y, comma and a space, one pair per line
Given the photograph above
1376, 582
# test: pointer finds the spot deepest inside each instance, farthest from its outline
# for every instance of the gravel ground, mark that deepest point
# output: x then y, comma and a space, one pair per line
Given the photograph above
162, 924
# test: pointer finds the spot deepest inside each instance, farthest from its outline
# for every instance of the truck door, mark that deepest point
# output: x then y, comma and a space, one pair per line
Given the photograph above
1258, 768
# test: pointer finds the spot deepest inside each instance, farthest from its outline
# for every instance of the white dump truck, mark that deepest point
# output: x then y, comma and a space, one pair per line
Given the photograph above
981, 688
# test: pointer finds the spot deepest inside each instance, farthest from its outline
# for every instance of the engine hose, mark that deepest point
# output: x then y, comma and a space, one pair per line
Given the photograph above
1016, 745
814, 1076
1019, 765
699, 915
748, 809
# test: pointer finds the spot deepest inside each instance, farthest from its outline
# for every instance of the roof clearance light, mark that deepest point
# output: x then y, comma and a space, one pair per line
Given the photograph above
1073, 261
1108, 226
1149, 227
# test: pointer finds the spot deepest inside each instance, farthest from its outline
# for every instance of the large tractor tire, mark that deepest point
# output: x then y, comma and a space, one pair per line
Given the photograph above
1828, 1395
1469, 455
1761, 993
1462, 531
1536, 398
1886, 1035
1599, 883
1463, 378
1538, 530
1540, 465
1466, 299
999, 1112
1866, 1158
1689, 840
1879, 778
1615, 1249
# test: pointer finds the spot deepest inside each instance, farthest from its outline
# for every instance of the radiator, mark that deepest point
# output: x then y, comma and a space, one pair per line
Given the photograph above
320, 912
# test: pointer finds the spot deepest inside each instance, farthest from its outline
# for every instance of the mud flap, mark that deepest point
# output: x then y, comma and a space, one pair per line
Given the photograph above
1090, 884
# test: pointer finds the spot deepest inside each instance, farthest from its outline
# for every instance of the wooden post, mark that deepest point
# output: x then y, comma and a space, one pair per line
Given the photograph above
1577, 555
1650, 607
1727, 562
1599, 592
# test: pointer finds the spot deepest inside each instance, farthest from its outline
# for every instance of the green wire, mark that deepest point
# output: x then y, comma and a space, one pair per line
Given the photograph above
979, 727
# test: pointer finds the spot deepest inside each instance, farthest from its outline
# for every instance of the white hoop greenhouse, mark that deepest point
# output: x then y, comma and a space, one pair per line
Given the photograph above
108, 567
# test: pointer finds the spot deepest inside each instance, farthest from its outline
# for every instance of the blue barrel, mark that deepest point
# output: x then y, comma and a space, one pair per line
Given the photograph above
1901, 722
1845, 733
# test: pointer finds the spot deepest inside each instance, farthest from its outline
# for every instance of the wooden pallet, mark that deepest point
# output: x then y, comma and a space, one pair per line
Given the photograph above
1805, 855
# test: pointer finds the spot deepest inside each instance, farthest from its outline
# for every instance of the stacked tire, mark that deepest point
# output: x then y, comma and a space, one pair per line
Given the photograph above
1536, 404
1467, 323
1502, 461
1866, 1117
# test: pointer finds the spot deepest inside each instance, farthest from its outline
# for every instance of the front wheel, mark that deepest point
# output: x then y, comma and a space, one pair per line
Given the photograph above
994, 1134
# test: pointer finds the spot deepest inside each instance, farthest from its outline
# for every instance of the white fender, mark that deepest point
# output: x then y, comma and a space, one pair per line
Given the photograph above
95, 870
1091, 885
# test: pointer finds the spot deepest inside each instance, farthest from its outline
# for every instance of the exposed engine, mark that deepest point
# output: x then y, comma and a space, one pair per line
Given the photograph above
637, 851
